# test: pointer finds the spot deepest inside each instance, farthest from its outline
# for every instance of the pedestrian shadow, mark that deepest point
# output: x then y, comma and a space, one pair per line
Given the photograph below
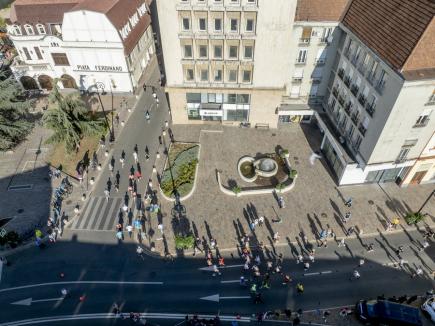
417, 254
340, 195
381, 220
293, 249
387, 252
313, 227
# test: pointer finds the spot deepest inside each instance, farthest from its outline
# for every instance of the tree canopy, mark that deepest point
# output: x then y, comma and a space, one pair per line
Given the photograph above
70, 120
14, 125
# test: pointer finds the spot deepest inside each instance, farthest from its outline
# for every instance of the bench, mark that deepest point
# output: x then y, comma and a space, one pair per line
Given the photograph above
261, 126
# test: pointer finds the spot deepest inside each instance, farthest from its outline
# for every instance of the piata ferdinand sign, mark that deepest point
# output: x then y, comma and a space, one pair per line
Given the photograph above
99, 68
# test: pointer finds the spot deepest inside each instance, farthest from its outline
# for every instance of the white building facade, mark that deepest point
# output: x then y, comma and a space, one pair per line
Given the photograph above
226, 60
81, 43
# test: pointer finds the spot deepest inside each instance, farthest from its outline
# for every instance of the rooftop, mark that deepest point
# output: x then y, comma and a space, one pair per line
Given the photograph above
40, 11
394, 30
320, 10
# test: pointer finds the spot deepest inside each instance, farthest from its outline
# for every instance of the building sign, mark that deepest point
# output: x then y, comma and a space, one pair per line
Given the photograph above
211, 113
99, 68
132, 21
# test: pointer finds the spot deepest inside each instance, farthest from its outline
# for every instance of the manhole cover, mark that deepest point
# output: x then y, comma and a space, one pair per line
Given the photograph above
324, 215
68, 202
371, 202
20, 211
273, 135
295, 158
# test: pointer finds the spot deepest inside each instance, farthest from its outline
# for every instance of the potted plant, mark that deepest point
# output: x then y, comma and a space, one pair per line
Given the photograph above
279, 187
413, 218
292, 174
285, 153
237, 190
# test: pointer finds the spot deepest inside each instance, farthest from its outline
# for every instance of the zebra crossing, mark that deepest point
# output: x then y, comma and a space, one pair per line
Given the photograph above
99, 214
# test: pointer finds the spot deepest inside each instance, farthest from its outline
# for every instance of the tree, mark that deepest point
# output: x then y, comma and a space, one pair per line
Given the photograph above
14, 126
70, 120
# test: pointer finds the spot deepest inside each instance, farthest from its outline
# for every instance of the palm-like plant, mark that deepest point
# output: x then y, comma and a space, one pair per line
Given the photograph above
13, 113
70, 120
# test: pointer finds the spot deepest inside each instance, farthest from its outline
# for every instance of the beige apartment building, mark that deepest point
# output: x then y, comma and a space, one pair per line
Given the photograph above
226, 60
378, 117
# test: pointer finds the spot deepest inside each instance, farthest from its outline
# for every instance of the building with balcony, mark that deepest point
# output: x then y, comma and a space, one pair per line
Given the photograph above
379, 103
226, 60
81, 43
315, 36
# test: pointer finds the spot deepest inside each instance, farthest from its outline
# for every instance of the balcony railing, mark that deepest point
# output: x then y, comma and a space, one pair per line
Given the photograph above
335, 92
323, 40
340, 73
347, 81
354, 60
380, 86
362, 99
304, 41
370, 108
348, 107
297, 79
362, 129
354, 89
371, 78
421, 124
319, 62
341, 100
355, 118
301, 61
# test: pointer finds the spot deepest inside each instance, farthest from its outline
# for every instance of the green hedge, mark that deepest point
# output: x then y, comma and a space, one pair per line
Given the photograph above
413, 218
183, 173
185, 242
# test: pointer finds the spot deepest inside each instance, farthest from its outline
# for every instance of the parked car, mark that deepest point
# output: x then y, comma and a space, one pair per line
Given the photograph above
384, 312
429, 307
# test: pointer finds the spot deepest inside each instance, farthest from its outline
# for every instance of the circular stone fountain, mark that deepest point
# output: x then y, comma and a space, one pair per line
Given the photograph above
250, 168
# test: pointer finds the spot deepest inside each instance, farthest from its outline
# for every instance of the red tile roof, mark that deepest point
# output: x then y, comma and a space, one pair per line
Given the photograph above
320, 10
40, 11
391, 28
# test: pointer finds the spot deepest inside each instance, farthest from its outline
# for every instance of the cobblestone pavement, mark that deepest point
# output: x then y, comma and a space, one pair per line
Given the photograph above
315, 204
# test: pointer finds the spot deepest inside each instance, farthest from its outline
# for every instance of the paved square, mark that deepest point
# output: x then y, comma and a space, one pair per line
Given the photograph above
314, 204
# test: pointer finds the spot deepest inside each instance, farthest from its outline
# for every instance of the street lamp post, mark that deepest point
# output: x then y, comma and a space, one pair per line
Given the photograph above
426, 201
100, 85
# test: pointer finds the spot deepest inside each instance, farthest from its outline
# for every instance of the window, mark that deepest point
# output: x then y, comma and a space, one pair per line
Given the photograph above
232, 75
218, 75
38, 53
249, 25
218, 51
321, 56
247, 74
203, 51
313, 90
204, 75
306, 35
234, 24
295, 90
186, 24
40, 28
26, 52
17, 30
60, 59
403, 154
423, 119
251, 1
233, 52
218, 24
189, 74
29, 30
248, 52
326, 35
188, 51
302, 56
202, 24
298, 74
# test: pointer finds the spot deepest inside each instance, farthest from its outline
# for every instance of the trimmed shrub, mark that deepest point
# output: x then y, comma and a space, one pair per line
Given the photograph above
184, 242
413, 218
293, 173
279, 186
284, 153
236, 189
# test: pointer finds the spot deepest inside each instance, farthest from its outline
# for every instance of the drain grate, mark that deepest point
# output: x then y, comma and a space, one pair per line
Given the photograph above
20, 187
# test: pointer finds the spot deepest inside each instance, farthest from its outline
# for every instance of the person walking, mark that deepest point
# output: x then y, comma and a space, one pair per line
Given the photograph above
276, 237
311, 256
107, 194
139, 252
306, 266
424, 245
299, 259
347, 217
119, 235
395, 222
261, 221
135, 157
361, 262
355, 275
160, 227
349, 202
417, 272
341, 243
129, 229
299, 288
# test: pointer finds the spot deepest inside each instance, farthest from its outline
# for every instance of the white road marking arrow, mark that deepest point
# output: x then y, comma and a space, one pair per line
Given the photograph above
29, 301
217, 298
211, 268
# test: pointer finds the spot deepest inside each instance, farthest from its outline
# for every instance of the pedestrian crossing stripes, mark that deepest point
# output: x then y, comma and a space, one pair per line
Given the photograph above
99, 214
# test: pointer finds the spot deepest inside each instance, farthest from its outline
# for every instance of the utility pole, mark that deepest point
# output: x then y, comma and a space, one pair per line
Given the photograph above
426, 201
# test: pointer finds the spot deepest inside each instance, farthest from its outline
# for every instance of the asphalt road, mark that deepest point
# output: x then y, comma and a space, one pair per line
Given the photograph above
99, 214
177, 287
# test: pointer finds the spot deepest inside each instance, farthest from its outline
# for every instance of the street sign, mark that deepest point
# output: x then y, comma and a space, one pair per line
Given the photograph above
3, 233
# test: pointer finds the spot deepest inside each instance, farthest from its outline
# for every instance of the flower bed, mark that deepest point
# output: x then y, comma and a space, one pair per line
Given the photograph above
179, 174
